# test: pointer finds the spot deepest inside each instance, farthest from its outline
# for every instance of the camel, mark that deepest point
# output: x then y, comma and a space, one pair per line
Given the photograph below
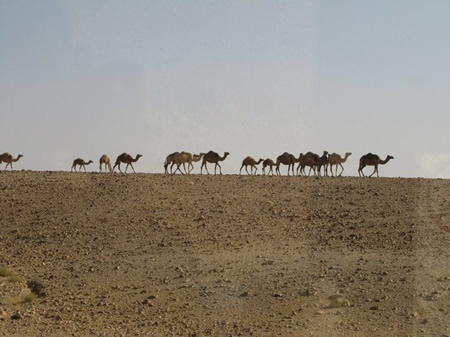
80, 162
169, 160
185, 157
214, 158
286, 159
323, 161
250, 161
336, 159
268, 162
127, 159
309, 159
9, 159
314, 161
371, 160
104, 160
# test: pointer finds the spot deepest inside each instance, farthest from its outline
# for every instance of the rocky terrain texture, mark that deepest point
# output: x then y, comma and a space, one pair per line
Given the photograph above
160, 255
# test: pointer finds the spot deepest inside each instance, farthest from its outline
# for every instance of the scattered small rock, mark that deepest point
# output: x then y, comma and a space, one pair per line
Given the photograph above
16, 315
338, 301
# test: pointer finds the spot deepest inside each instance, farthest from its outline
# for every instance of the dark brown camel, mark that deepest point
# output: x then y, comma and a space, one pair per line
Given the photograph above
80, 162
250, 161
286, 159
214, 158
126, 159
371, 160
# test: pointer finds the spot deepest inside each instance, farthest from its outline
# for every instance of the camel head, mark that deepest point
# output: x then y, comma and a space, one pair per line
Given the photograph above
389, 157
19, 156
138, 156
89, 162
325, 153
226, 154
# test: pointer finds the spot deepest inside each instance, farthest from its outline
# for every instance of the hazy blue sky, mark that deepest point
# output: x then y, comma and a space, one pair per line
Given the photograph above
81, 78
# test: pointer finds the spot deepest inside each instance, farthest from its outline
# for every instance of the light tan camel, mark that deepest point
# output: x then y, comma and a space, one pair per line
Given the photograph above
371, 160
268, 162
286, 159
185, 157
104, 160
126, 159
80, 162
213, 158
336, 159
9, 159
169, 160
250, 161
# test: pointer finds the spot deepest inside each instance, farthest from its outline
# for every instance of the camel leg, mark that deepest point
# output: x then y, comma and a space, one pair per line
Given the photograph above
132, 167
342, 167
375, 170
171, 167
220, 168
178, 169
84, 168
360, 171
246, 170
206, 168
256, 170
190, 167
241, 169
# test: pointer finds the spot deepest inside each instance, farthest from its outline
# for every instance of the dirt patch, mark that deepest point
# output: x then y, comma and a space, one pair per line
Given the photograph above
157, 255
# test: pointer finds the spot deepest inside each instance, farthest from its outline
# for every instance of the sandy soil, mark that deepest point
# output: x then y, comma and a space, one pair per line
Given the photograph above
158, 255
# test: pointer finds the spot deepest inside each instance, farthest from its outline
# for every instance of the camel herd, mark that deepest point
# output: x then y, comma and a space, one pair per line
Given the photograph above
313, 161
310, 159
106, 162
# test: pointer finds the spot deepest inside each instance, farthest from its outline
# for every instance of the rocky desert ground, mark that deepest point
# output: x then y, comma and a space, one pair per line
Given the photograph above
160, 255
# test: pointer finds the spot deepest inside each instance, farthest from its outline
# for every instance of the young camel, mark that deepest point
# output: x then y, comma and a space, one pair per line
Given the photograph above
9, 159
127, 159
336, 159
169, 160
104, 160
80, 162
250, 161
214, 158
286, 159
371, 160
183, 158
268, 162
